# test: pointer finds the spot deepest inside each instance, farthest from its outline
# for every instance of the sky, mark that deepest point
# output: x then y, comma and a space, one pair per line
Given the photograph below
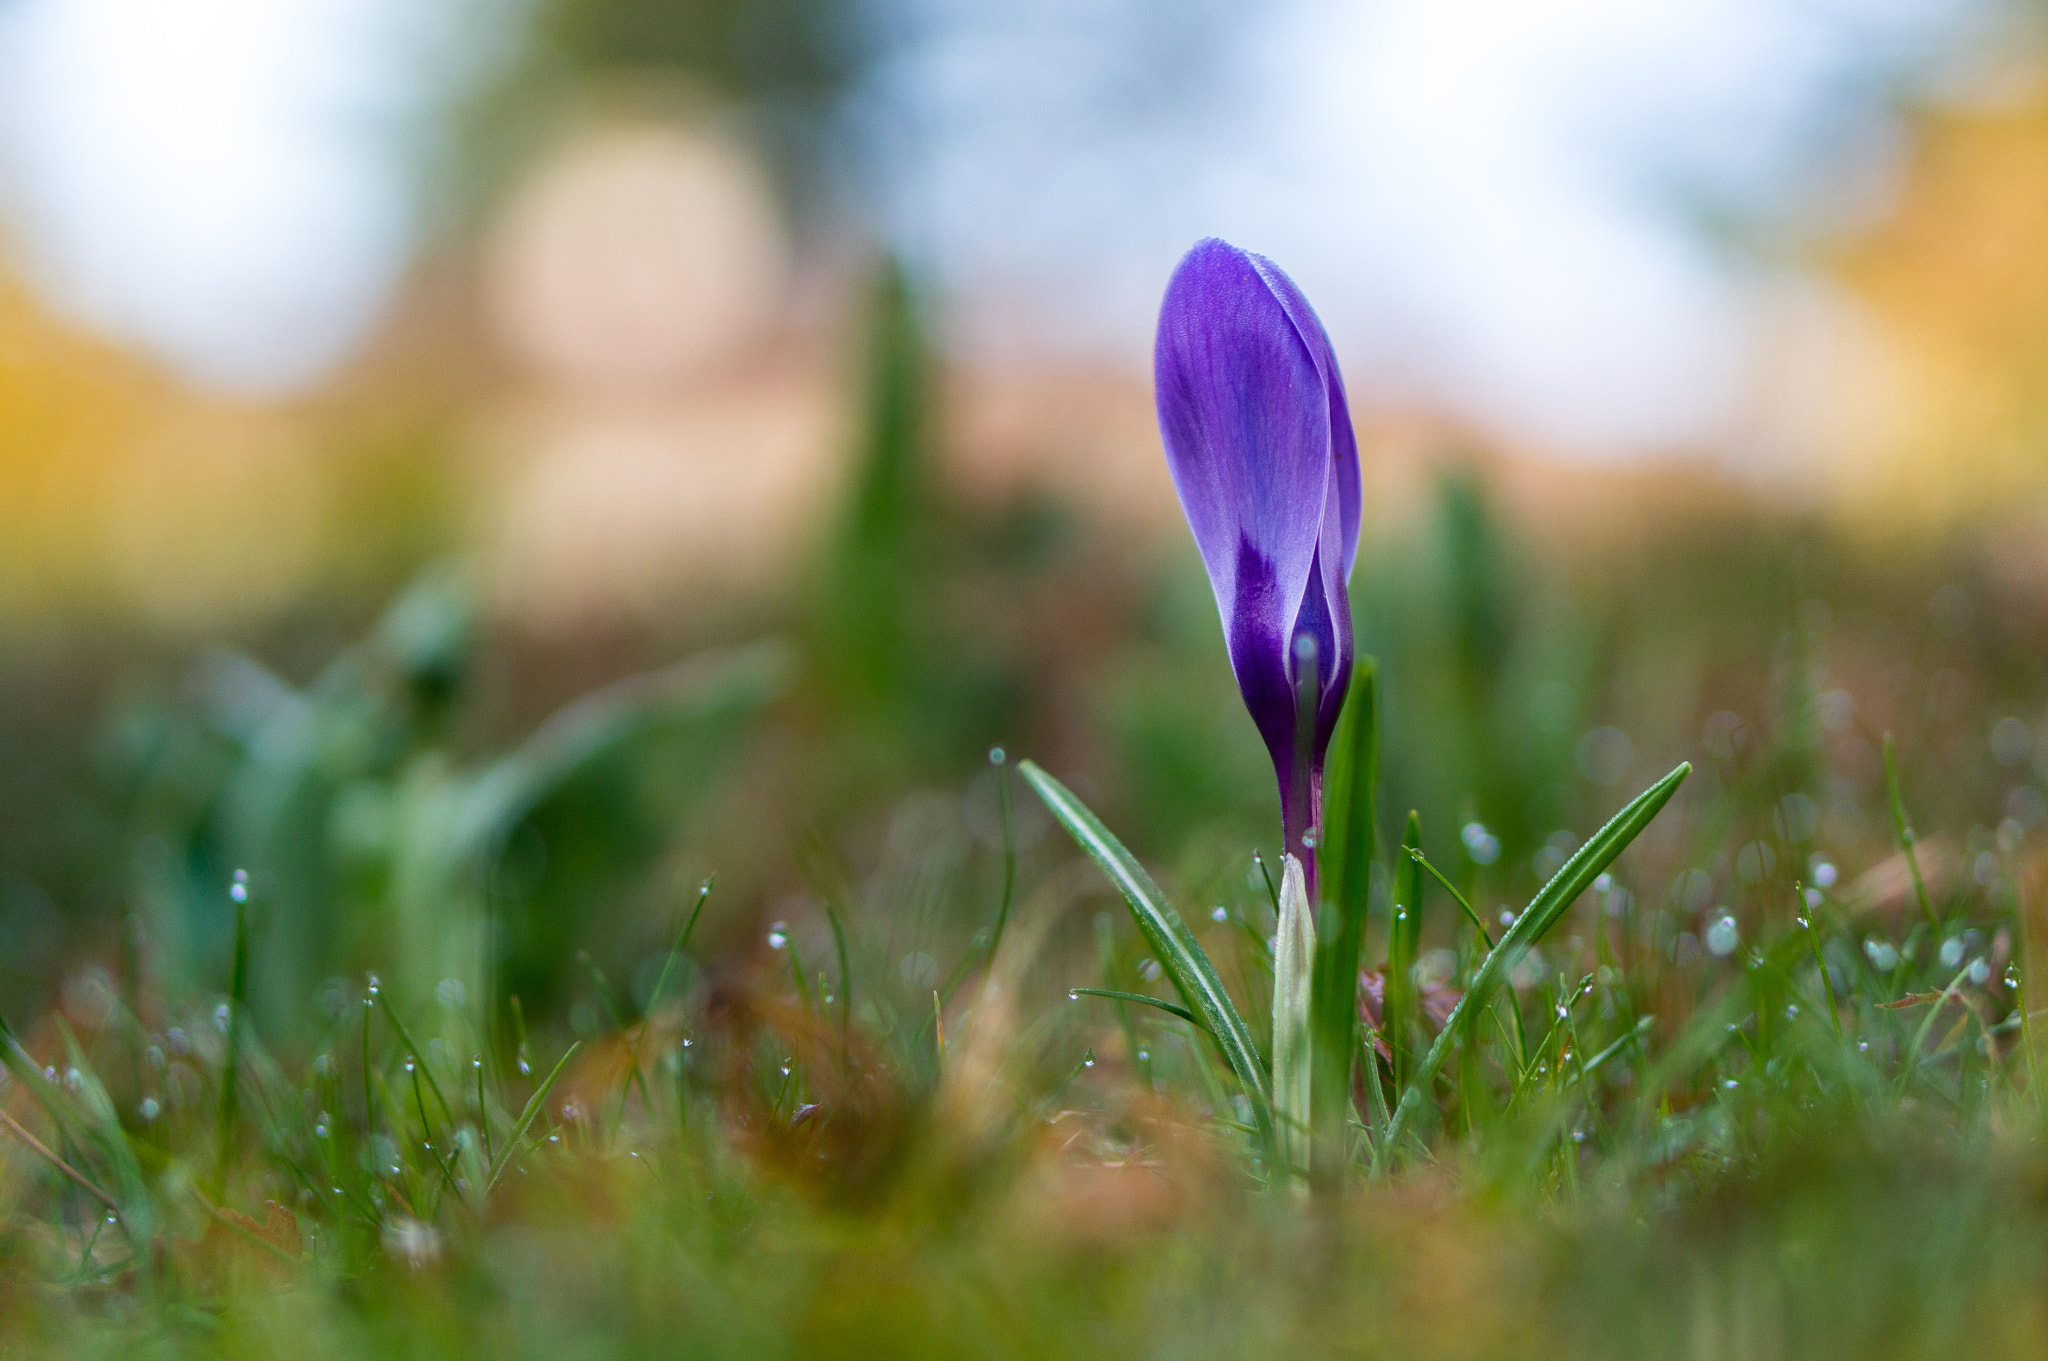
1493, 203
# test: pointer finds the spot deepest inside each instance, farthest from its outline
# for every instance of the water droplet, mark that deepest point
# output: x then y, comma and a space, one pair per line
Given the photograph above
323, 1129
1563, 1012
1088, 1063
477, 1063
149, 1109
221, 1016
1073, 996
1722, 937
1308, 838
996, 756
110, 1216
409, 1065
1220, 914
785, 1070
554, 1138
1980, 972
2012, 976
1951, 952
1601, 883
49, 1074
239, 889
1144, 1056
1823, 874
374, 985
525, 1068
1863, 1046
1730, 1084
778, 935
1507, 918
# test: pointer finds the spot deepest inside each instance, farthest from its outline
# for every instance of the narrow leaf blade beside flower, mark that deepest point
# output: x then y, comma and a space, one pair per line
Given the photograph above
1549, 904
1349, 845
1175, 947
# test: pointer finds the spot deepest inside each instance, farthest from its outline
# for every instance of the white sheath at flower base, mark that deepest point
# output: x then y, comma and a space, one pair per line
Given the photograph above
1294, 955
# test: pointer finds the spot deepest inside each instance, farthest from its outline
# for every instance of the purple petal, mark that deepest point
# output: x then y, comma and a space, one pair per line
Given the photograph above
1244, 410
1343, 443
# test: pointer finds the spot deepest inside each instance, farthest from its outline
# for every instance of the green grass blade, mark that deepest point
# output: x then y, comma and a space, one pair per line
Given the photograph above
1404, 937
1903, 827
230, 1079
419, 1058
1549, 904
534, 1105
1113, 995
1194, 977
1348, 847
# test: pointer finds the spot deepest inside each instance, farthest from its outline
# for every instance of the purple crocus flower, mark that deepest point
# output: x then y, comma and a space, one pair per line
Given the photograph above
1258, 438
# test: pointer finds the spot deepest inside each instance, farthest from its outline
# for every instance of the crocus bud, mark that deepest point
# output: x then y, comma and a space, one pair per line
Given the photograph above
1259, 442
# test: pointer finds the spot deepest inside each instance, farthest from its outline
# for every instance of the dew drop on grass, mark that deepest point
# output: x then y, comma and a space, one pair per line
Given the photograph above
525, 1068
1980, 972
1220, 914
1563, 1012
1144, 1056
996, 756
1863, 1046
374, 985
1722, 937
1730, 1084
149, 1109
409, 1066
1073, 996
1308, 838
1951, 952
220, 1018
239, 889
778, 935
